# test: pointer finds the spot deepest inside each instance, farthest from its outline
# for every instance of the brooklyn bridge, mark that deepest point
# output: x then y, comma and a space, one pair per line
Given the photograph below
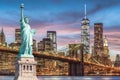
77, 66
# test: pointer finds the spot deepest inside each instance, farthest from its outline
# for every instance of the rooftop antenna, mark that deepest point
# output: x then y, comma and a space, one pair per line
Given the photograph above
85, 11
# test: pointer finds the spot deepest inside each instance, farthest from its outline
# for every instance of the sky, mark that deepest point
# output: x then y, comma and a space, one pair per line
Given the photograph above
64, 17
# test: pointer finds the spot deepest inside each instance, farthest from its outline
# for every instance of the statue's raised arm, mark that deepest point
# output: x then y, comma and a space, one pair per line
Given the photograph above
26, 36
22, 15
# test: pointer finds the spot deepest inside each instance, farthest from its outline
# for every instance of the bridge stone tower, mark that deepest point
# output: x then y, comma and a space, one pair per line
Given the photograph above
85, 33
25, 64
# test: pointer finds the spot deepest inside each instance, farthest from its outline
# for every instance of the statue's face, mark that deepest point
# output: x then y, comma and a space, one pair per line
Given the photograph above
26, 20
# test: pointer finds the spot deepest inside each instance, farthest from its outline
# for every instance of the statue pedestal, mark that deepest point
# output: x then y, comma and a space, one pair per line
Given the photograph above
25, 69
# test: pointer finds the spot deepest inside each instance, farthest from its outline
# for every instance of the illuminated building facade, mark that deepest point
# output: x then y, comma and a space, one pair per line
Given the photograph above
52, 36
16, 44
106, 49
40, 46
3, 55
85, 33
34, 45
47, 44
17, 35
98, 39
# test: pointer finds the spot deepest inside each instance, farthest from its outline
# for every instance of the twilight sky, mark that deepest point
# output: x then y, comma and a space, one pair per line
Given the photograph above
63, 16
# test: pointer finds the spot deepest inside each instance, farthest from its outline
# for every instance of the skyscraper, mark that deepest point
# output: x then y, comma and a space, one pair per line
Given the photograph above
34, 45
2, 38
105, 44
85, 33
17, 35
3, 55
98, 39
52, 36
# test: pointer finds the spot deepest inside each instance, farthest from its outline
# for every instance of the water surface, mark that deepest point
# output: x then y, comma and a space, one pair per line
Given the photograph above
68, 78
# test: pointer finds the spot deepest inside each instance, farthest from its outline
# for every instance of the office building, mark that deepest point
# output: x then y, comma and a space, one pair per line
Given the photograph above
34, 45
18, 35
40, 46
85, 33
106, 49
98, 39
52, 36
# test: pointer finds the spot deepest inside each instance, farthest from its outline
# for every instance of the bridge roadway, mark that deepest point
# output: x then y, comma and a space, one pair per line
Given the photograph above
55, 57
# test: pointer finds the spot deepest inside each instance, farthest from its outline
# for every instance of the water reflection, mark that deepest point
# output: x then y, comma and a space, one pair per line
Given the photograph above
68, 78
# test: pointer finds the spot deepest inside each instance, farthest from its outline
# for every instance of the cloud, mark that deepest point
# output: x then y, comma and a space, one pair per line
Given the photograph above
98, 5
68, 17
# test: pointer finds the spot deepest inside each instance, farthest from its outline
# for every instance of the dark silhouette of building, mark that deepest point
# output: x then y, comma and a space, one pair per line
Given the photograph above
117, 61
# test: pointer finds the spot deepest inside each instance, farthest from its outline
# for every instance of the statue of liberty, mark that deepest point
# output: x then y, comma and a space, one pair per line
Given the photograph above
26, 36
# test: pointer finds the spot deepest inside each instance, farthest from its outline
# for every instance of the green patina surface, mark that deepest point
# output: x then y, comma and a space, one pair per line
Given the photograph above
26, 36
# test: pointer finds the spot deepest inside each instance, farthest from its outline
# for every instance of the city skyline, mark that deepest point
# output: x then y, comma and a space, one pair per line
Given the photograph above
64, 17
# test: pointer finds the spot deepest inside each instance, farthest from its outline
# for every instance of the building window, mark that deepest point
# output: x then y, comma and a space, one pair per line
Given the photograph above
31, 68
24, 67
27, 67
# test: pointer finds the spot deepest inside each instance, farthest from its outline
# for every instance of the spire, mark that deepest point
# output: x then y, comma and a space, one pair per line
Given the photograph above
2, 32
85, 11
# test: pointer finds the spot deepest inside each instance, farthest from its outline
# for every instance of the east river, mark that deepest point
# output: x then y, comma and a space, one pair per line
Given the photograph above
68, 78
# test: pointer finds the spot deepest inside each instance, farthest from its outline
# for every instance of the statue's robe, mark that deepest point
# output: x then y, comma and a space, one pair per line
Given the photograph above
26, 40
